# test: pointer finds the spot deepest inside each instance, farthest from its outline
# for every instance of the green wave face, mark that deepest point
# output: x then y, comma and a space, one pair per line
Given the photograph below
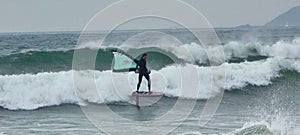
40, 61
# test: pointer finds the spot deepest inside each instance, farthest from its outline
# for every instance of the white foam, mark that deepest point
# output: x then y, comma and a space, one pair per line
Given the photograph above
296, 41
282, 49
278, 125
256, 73
31, 91
89, 45
296, 66
233, 49
252, 128
28, 91
191, 133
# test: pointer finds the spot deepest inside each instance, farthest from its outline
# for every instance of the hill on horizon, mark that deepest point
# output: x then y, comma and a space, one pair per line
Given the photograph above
290, 18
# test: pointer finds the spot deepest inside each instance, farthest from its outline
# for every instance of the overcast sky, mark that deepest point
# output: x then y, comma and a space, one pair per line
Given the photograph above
72, 15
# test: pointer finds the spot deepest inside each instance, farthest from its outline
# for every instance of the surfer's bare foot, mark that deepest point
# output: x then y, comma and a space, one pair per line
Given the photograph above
149, 92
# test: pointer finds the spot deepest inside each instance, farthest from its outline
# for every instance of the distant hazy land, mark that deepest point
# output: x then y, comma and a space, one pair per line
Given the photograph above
291, 18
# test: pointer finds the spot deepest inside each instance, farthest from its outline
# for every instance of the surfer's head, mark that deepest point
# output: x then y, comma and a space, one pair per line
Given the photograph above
144, 56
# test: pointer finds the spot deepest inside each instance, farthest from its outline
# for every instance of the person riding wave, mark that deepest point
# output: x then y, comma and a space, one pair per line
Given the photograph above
143, 71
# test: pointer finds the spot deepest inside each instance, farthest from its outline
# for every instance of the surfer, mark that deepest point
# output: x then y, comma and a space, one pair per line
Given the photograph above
143, 71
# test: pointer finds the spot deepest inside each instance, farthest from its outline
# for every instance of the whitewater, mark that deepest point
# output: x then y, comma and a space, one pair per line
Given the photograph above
32, 91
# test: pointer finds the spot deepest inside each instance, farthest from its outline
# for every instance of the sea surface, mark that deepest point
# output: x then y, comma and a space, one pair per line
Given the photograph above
262, 83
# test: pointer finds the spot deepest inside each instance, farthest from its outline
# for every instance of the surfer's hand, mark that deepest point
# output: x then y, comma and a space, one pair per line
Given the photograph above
137, 71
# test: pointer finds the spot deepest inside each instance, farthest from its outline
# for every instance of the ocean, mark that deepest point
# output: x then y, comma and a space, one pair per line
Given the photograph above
38, 96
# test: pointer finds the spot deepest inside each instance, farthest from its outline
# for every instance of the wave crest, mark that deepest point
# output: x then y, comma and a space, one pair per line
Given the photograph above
31, 91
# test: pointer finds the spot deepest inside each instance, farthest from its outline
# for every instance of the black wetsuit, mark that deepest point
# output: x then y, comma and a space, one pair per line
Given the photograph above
143, 71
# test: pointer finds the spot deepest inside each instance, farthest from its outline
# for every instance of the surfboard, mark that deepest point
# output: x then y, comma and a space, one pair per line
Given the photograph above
146, 94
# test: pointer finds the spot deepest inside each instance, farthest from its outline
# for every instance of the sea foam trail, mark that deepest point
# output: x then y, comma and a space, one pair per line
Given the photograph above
32, 91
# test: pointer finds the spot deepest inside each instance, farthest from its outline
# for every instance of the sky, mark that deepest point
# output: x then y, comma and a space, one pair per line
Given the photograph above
73, 15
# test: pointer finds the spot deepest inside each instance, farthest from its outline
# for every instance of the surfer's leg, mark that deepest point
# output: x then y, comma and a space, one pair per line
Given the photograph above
139, 83
149, 81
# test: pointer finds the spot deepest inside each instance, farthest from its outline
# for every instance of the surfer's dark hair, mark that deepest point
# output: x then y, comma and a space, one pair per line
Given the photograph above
144, 54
